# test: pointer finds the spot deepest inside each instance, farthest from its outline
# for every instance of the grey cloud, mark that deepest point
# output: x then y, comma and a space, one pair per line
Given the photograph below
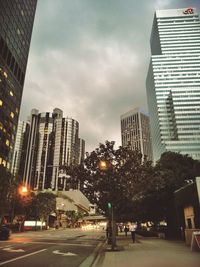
90, 58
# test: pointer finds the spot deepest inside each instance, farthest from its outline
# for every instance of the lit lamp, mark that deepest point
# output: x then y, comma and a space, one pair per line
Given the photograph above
23, 190
105, 166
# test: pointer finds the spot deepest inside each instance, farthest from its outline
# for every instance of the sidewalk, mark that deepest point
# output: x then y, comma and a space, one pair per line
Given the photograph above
147, 252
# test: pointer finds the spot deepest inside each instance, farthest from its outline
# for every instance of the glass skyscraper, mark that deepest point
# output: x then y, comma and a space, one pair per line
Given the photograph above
53, 143
135, 132
173, 82
16, 23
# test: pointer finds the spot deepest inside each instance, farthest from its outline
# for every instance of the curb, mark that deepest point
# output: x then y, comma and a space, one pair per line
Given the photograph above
89, 261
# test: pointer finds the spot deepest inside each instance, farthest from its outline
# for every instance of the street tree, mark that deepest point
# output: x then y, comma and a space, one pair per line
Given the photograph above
42, 205
73, 217
156, 201
114, 176
8, 188
174, 171
76, 176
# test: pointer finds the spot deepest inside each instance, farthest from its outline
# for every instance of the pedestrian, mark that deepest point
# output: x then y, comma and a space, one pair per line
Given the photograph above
120, 228
126, 229
133, 229
109, 233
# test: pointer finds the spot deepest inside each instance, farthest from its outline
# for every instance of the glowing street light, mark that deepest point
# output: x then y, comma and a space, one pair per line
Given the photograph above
103, 165
23, 190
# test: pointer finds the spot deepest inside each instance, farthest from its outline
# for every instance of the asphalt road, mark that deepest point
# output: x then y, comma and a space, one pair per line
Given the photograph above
51, 248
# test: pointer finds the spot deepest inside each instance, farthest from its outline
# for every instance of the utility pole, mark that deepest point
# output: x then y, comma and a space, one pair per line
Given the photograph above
104, 166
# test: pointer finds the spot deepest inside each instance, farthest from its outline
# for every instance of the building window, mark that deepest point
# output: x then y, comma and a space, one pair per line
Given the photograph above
1, 103
12, 115
5, 74
11, 93
7, 142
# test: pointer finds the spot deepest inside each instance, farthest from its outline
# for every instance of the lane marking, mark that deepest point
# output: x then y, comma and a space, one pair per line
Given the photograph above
10, 249
21, 257
60, 243
63, 253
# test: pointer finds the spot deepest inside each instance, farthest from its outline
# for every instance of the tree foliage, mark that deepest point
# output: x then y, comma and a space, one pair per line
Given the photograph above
118, 182
136, 189
42, 205
8, 189
171, 172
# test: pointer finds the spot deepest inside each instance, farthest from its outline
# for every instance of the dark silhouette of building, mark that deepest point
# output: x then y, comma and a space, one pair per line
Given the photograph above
16, 23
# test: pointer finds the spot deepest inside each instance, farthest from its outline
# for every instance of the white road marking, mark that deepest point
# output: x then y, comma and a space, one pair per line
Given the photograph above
64, 254
21, 257
10, 249
60, 243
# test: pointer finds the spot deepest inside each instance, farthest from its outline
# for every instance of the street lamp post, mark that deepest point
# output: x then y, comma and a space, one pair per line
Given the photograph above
24, 194
104, 166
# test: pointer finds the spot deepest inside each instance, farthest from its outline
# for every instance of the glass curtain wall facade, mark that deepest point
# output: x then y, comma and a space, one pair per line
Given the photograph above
16, 23
135, 132
21, 128
173, 82
53, 143
31, 151
45, 127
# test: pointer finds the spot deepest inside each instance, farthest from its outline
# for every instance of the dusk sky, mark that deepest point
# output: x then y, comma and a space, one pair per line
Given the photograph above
90, 59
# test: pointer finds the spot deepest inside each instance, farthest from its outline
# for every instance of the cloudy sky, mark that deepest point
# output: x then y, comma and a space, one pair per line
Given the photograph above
90, 58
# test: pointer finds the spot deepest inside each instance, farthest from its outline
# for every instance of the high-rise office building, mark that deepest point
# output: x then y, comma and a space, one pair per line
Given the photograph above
31, 151
66, 146
81, 151
135, 132
21, 128
16, 23
173, 82
53, 143
45, 128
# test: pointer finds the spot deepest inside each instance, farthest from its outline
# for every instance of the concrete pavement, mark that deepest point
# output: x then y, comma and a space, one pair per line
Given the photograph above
148, 252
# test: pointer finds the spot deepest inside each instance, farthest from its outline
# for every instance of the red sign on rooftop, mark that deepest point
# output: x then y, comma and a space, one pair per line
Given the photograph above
189, 10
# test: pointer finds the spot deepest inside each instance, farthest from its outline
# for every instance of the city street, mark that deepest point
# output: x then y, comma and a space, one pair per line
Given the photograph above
63, 247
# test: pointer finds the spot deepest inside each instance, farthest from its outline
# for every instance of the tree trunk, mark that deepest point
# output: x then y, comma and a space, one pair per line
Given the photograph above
171, 218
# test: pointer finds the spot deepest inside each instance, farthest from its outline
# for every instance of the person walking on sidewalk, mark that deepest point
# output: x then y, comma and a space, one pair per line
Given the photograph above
133, 229
126, 229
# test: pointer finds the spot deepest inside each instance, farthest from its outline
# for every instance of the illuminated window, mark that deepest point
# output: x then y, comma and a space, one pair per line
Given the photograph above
0, 161
8, 165
11, 93
1, 103
12, 115
17, 110
5, 74
7, 142
4, 163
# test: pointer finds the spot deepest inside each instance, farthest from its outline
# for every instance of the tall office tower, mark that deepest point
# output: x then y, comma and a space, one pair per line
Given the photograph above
66, 147
32, 148
135, 131
173, 82
16, 23
21, 128
53, 142
45, 127
81, 151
